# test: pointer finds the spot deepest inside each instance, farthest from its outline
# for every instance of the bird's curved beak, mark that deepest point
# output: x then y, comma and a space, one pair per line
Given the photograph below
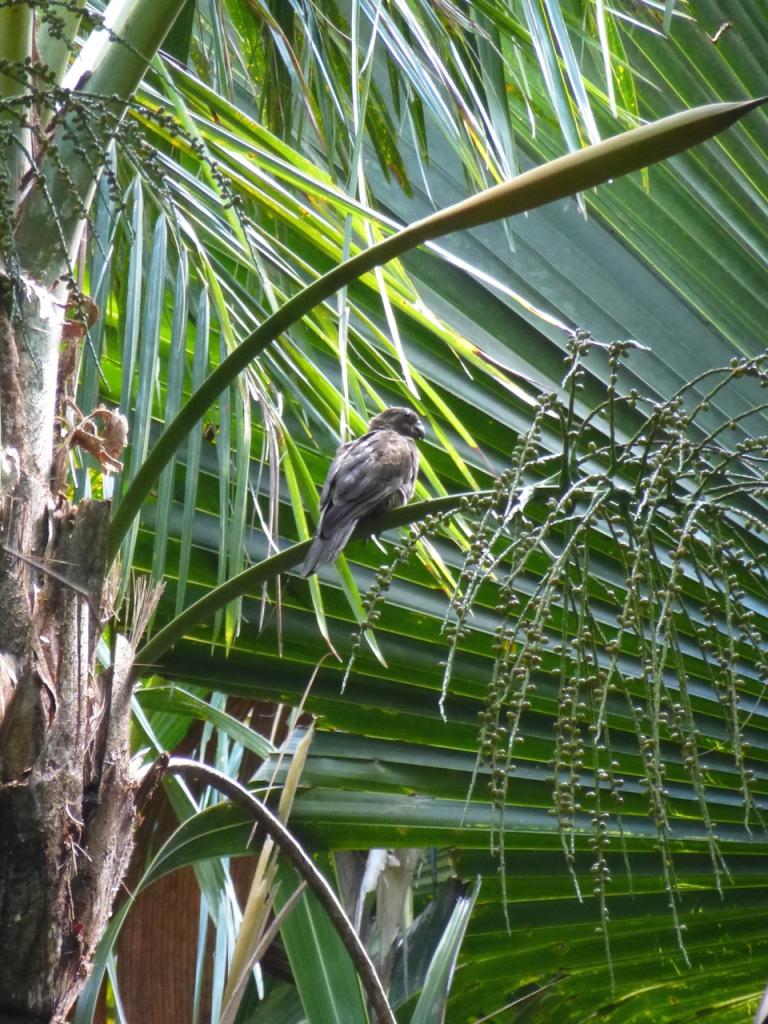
418, 429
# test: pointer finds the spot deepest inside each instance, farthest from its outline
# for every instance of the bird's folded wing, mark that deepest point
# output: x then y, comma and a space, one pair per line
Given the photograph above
364, 474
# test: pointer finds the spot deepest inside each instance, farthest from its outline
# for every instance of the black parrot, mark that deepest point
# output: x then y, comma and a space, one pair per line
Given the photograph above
368, 476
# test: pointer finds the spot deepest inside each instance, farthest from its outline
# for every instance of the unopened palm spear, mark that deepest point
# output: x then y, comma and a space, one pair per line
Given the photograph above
368, 476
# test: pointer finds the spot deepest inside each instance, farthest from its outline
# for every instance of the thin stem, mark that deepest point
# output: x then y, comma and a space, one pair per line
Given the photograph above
267, 569
306, 869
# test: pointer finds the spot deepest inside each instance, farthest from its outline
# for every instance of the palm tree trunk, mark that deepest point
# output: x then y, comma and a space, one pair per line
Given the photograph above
66, 799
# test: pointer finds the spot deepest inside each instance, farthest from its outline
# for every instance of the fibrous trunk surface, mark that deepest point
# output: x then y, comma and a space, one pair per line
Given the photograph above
66, 798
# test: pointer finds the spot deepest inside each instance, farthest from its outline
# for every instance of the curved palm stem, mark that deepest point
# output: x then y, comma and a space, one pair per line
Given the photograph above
294, 852
555, 180
149, 655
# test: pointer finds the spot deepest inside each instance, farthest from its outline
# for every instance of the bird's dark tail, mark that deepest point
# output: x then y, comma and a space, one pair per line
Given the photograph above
325, 549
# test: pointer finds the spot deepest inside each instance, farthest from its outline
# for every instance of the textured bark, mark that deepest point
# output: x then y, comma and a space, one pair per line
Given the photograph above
66, 798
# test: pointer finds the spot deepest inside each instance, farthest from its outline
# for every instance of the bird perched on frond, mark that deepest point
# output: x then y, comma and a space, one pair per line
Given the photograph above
368, 476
